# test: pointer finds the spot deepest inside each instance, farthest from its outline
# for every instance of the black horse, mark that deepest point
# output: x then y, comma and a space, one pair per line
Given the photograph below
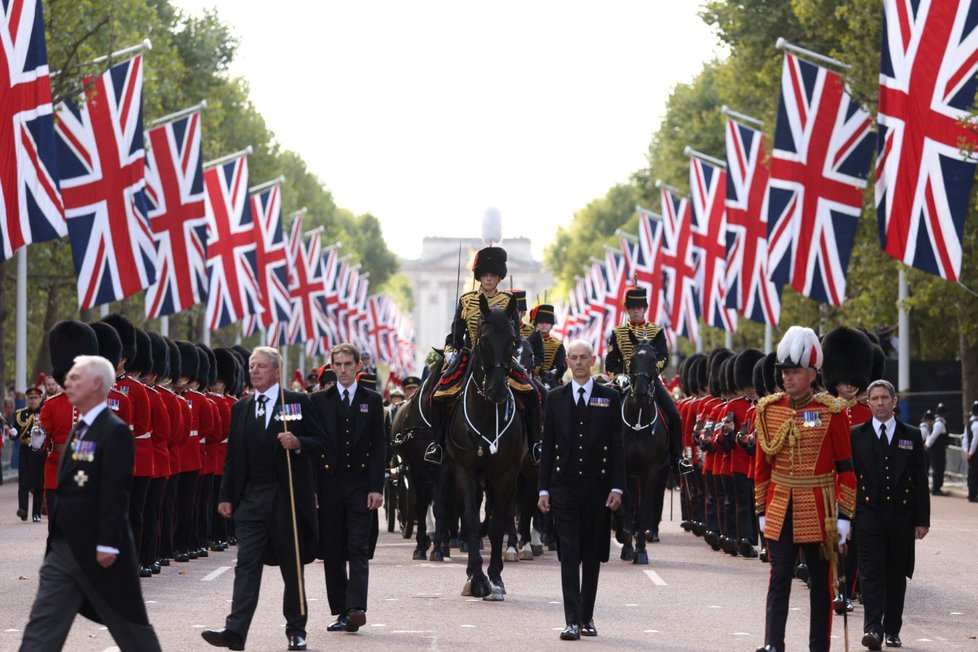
646, 452
486, 444
411, 432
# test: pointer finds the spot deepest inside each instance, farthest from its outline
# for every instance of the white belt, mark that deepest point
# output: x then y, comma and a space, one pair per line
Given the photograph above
224, 441
203, 440
145, 435
193, 433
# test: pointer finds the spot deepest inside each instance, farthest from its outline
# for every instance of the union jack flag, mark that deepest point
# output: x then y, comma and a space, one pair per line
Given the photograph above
708, 189
645, 261
747, 286
102, 160
272, 256
927, 87
232, 268
177, 216
308, 317
822, 150
680, 290
616, 277
32, 206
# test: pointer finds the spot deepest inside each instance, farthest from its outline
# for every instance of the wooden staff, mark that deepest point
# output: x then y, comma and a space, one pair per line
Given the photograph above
295, 524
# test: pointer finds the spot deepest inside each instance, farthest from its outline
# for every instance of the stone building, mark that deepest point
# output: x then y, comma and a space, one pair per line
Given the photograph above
435, 274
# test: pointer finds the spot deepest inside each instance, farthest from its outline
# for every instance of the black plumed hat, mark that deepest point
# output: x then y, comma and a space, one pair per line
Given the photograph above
717, 356
771, 384
142, 363
161, 356
127, 333
727, 384
700, 375
543, 314
682, 373
847, 358
520, 296
109, 343
67, 340
204, 367
490, 260
174, 359
228, 368
758, 377
744, 368
636, 297
189, 359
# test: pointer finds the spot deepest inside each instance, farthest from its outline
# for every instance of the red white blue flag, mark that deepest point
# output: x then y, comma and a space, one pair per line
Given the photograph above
232, 269
645, 262
746, 285
272, 256
308, 316
680, 290
927, 87
708, 189
177, 216
32, 210
822, 149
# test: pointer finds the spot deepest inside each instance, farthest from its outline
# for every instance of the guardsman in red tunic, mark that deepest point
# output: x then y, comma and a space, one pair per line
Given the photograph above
803, 448
698, 380
208, 424
160, 416
704, 430
229, 374
179, 431
188, 453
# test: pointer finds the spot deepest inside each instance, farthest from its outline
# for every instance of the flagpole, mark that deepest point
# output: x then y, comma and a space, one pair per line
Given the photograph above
768, 338
689, 151
727, 111
20, 368
903, 335
200, 106
165, 325
229, 157
782, 44
268, 184
145, 45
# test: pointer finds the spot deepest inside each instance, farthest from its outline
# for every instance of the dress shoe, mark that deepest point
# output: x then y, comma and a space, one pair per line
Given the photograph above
747, 549
145, 571
801, 572
767, 648
37, 518
972, 500
588, 629
338, 625
763, 554
181, 557
232, 541
192, 554
202, 553
22, 514
223, 638
654, 536
571, 633
355, 619
873, 641
164, 561
893, 640
297, 642
938, 492
155, 567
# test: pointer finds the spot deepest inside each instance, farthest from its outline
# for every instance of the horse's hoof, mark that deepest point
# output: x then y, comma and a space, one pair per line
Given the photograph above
536, 550
496, 594
418, 555
526, 554
641, 558
511, 554
627, 553
436, 555
467, 589
480, 589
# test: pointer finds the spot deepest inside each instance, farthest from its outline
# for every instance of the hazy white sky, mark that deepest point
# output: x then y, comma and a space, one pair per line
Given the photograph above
424, 113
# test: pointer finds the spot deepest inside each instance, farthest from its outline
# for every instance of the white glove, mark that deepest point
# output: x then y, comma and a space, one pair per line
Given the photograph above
450, 357
843, 526
760, 523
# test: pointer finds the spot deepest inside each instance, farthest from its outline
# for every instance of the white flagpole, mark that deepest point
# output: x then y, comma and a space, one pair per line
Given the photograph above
165, 325
206, 338
768, 336
728, 340
20, 367
903, 334
103, 310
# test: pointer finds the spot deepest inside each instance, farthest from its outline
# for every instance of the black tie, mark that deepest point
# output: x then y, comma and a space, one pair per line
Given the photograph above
261, 407
346, 398
580, 400
77, 433
883, 433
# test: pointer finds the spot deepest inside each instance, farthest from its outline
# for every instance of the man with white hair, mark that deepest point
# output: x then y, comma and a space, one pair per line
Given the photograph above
803, 455
90, 563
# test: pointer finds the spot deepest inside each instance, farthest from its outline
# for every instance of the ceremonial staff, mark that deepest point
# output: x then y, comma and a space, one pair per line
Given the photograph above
288, 465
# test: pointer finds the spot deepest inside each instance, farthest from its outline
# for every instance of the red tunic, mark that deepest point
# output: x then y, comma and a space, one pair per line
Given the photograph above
161, 433
721, 454
859, 413
189, 451
705, 424
210, 440
178, 428
742, 409
142, 425
220, 445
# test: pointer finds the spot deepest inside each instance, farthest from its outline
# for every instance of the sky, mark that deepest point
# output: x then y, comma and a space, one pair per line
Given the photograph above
426, 113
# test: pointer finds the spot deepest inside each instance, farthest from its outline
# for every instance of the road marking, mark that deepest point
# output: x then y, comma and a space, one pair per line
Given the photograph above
919, 640
468, 625
554, 602
714, 606
651, 631
378, 625
215, 573
11, 630
956, 613
741, 634
658, 581
391, 599
631, 604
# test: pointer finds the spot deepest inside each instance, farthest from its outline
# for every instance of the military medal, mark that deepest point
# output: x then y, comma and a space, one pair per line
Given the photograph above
113, 404
290, 412
811, 418
81, 478
364, 408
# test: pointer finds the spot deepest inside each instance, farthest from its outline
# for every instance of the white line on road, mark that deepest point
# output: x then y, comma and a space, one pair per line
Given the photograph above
215, 573
11, 630
652, 575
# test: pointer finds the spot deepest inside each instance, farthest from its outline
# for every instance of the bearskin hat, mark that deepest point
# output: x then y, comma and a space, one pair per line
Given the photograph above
744, 368
520, 296
636, 297
228, 368
543, 314
142, 362
847, 358
67, 340
160, 355
490, 260
771, 383
127, 333
757, 377
799, 348
109, 343
879, 358
189, 360
681, 372
206, 364
716, 357
700, 374
727, 384
174, 359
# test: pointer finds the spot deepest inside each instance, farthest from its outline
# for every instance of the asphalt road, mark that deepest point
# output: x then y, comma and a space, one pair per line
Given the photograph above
688, 598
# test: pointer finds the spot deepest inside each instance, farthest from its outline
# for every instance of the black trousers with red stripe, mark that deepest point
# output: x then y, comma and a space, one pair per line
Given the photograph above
782, 554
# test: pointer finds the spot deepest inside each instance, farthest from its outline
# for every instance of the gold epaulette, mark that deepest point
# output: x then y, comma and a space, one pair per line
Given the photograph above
835, 405
766, 401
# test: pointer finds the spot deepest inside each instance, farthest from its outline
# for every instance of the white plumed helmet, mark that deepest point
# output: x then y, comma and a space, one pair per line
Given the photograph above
800, 348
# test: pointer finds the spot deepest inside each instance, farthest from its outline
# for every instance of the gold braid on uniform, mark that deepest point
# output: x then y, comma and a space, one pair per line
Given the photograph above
772, 446
835, 405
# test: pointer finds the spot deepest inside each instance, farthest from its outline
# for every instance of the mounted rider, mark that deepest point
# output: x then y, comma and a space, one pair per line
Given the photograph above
551, 371
489, 268
620, 346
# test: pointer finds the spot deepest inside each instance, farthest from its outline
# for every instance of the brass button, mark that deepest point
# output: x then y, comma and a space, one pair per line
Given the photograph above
363, 466
557, 458
557, 469
604, 459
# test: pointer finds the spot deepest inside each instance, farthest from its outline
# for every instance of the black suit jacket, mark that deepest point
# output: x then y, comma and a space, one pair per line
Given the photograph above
93, 510
368, 456
309, 431
603, 439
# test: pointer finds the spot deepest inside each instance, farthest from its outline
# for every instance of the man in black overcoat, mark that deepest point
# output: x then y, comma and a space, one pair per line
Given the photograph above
90, 562
270, 430
892, 512
351, 485
582, 475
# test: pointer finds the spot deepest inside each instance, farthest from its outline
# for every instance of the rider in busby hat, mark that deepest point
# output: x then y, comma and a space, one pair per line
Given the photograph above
520, 295
554, 356
805, 487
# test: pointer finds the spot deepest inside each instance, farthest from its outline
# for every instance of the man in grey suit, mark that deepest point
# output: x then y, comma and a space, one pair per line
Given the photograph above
582, 475
90, 563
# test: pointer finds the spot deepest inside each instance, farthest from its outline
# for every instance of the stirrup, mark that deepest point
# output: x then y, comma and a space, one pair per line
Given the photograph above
434, 453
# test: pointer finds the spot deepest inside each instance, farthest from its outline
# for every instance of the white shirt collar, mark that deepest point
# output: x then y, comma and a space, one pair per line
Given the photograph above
352, 389
588, 386
89, 417
890, 427
271, 393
